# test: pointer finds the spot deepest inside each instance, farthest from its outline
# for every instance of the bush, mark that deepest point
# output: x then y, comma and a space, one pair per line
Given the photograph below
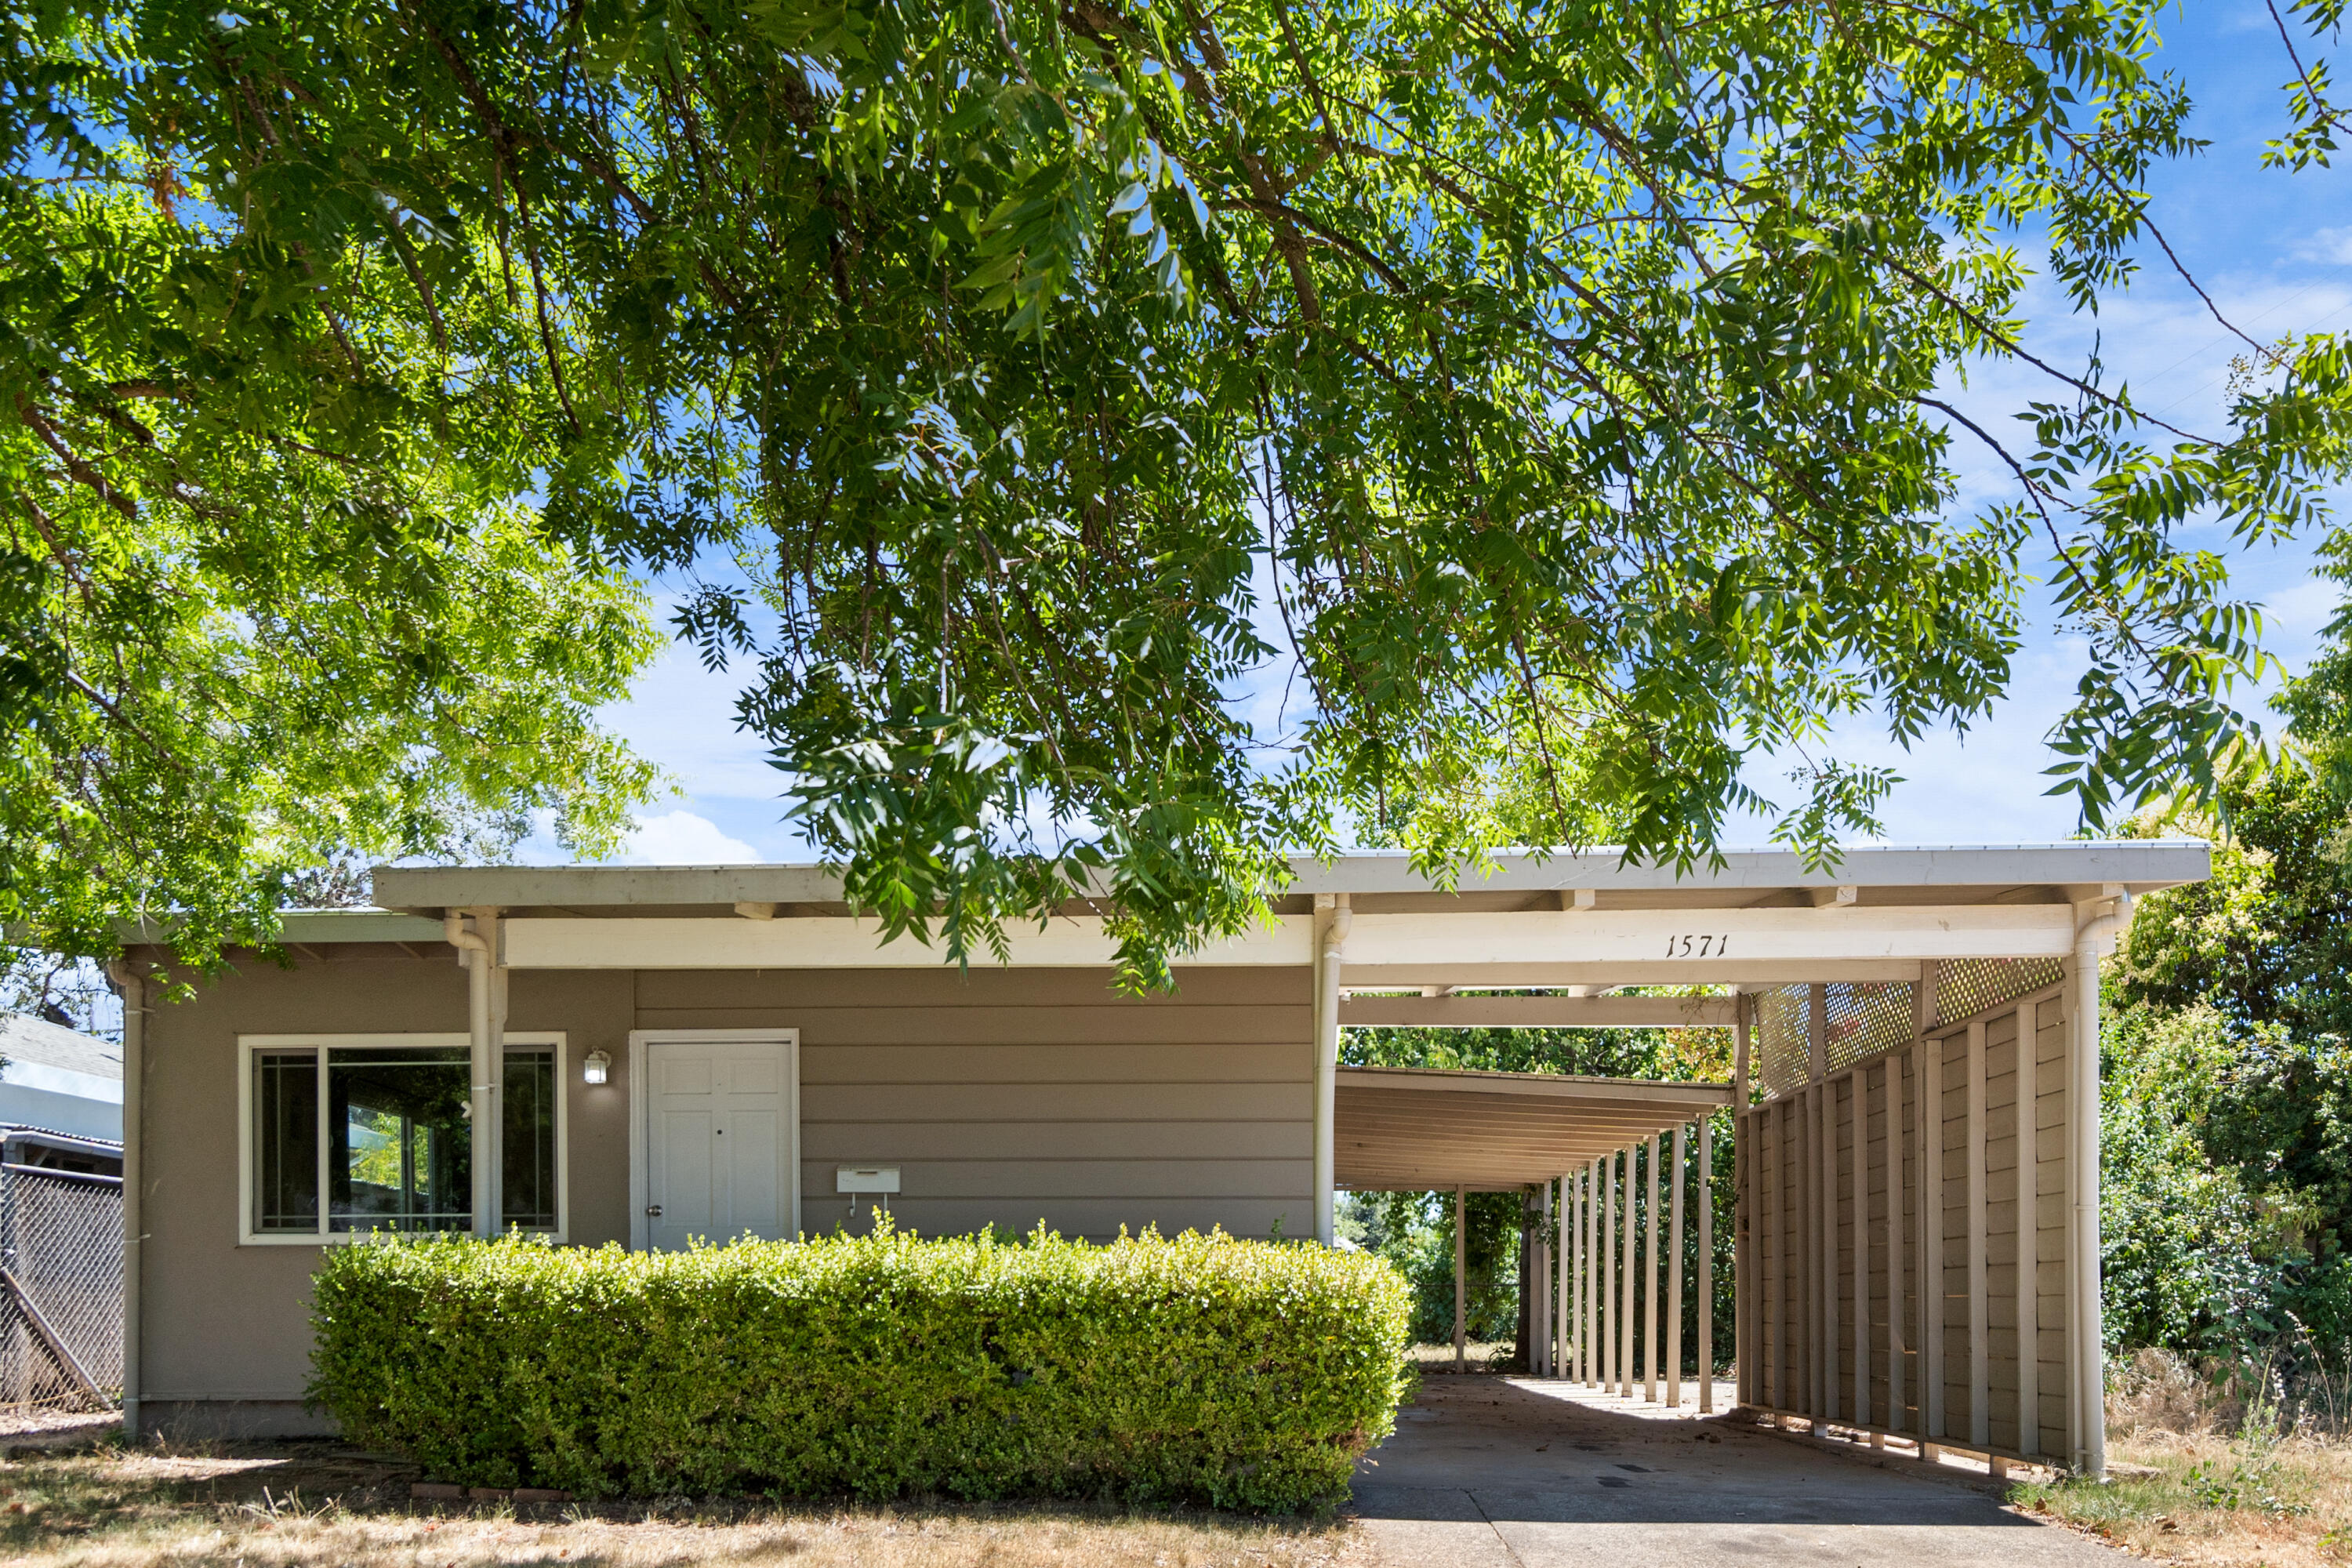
1199, 1368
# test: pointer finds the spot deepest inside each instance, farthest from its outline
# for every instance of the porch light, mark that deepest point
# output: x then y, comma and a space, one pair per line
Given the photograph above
597, 1067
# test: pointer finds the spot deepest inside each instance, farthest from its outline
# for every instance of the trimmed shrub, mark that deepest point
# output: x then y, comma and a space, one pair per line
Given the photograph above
1239, 1374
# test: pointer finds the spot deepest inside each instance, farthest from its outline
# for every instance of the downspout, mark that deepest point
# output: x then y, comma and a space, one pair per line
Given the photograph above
2092, 936
475, 951
1327, 1061
134, 991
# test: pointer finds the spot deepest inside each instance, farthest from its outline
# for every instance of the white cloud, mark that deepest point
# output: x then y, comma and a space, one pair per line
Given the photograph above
2333, 246
683, 839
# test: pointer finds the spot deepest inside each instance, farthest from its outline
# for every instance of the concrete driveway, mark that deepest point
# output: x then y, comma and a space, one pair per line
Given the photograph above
1516, 1473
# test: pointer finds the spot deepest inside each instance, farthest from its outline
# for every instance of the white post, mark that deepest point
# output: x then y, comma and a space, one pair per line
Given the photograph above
1329, 953
2029, 1238
1895, 1242
1932, 1243
1584, 1275
1979, 1350
1860, 1122
1628, 1367
1650, 1279
1674, 1272
1605, 1274
1460, 1287
1706, 1267
1564, 1306
2090, 1390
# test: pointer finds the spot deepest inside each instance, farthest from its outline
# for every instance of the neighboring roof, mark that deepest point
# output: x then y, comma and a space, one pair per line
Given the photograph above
1377, 881
25, 1038
50, 1137
1418, 1129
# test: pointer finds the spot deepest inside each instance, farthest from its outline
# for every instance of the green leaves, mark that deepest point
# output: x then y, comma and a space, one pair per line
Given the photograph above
1532, 418
1242, 1374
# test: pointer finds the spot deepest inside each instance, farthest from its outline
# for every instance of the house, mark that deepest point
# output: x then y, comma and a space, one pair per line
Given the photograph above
58, 1080
639, 1056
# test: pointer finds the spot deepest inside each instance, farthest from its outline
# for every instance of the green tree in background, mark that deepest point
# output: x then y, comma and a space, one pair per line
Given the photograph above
1565, 382
2228, 1063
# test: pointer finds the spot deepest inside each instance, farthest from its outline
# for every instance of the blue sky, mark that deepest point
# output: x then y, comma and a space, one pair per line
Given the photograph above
2273, 250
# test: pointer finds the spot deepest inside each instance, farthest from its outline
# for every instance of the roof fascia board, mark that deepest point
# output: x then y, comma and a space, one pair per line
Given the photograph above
2140, 865
836, 943
2143, 865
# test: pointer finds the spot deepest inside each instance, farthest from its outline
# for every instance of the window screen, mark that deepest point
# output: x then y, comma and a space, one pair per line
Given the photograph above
384, 1131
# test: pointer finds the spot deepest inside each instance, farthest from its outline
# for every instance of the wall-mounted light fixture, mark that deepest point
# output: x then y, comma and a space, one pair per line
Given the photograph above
598, 1067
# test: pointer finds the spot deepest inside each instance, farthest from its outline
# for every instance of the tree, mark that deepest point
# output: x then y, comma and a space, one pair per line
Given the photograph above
261, 611
1565, 383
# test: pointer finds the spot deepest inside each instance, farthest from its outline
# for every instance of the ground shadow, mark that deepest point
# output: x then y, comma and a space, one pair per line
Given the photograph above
1486, 1448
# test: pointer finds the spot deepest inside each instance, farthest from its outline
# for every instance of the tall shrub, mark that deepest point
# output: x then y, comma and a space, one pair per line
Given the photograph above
1234, 1372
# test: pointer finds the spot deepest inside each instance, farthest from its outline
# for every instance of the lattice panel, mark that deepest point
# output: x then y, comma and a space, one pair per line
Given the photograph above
1782, 1042
1964, 987
1868, 1018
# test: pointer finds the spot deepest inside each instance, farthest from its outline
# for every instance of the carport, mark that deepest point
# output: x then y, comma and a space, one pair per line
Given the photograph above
1907, 1026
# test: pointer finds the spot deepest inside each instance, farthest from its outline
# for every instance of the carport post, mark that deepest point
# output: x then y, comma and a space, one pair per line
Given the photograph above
1650, 1281
1564, 1307
1460, 1295
1706, 1265
1626, 1368
1675, 1273
1580, 1364
1606, 1274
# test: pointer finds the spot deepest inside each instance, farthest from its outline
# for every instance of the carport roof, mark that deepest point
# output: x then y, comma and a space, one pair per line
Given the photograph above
1419, 1129
1384, 881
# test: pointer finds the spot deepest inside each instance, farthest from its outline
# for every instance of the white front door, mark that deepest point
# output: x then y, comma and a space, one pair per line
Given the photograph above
720, 1124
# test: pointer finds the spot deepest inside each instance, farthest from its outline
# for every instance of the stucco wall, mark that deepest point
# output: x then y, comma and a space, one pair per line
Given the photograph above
1004, 1097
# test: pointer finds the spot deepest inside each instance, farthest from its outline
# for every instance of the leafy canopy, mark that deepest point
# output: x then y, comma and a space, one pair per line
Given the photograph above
1561, 380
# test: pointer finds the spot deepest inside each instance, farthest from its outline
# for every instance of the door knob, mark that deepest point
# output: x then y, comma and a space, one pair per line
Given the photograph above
652, 1211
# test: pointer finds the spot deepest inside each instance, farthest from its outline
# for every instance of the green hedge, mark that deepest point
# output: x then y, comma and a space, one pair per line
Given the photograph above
1241, 1373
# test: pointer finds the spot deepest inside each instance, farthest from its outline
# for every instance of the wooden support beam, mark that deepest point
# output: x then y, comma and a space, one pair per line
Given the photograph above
1628, 1369
1674, 1270
1554, 1012
1706, 1264
1606, 1273
1979, 1332
1650, 1277
1586, 1297
1895, 1266
1832, 1375
2029, 1236
1860, 1125
1932, 1371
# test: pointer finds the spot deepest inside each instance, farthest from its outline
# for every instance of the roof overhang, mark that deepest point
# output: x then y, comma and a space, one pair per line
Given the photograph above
1585, 921
1419, 1129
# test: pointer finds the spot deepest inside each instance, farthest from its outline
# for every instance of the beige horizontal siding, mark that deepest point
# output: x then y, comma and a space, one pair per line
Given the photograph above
856, 1143
1007, 1098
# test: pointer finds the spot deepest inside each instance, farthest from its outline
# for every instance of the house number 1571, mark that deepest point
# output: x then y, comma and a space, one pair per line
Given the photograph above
1689, 946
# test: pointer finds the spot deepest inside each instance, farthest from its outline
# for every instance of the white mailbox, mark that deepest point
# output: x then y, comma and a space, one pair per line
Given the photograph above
865, 1179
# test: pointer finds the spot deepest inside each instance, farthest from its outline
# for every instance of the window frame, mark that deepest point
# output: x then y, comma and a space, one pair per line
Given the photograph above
249, 1045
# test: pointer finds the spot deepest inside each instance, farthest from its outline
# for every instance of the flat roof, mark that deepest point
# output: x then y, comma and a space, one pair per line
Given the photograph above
1419, 1129
1379, 880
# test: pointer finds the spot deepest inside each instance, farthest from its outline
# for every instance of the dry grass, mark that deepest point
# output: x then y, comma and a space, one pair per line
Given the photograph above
269, 1505
2203, 1499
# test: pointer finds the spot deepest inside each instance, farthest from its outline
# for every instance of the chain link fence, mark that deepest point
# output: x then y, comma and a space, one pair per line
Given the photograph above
61, 1297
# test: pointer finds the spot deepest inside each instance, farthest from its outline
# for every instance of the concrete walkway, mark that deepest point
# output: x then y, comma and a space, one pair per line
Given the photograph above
1493, 1472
